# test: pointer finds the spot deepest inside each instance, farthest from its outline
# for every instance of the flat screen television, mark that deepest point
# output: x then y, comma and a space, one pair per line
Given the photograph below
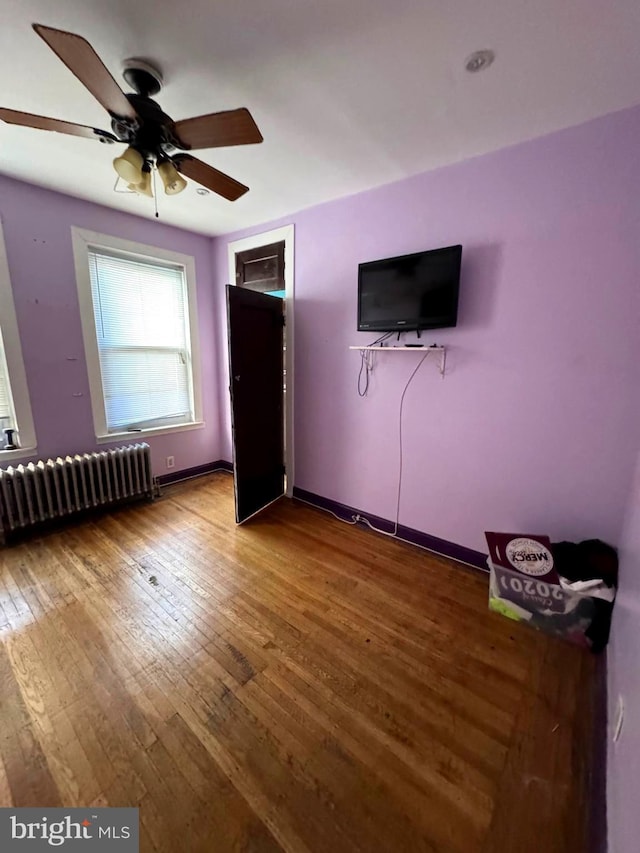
410, 292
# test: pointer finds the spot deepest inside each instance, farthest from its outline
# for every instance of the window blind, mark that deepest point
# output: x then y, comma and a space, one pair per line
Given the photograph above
5, 400
141, 316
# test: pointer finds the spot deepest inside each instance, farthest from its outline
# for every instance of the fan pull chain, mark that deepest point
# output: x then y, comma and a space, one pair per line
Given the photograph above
155, 194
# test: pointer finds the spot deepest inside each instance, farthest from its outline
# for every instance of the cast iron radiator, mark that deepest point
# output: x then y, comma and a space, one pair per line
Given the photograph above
47, 490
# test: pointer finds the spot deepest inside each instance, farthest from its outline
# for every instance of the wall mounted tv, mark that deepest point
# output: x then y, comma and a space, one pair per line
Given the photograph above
410, 292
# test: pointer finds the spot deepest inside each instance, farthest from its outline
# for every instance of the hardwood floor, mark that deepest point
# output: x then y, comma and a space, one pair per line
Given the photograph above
294, 684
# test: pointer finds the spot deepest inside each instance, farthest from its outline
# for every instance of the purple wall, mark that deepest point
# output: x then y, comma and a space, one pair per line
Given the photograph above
37, 230
534, 424
622, 659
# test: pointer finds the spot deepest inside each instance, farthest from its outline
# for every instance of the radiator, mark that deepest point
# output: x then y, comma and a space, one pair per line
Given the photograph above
58, 487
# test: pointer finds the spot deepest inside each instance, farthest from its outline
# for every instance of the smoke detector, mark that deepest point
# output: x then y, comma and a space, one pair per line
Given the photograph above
479, 60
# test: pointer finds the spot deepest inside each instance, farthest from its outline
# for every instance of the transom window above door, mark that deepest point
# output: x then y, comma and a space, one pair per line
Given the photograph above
262, 269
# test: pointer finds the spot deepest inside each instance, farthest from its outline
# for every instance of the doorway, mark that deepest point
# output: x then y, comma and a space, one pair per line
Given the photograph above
259, 270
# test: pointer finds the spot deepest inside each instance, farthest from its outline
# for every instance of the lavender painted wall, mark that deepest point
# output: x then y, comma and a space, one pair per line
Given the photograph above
622, 659
37, 230
534, 425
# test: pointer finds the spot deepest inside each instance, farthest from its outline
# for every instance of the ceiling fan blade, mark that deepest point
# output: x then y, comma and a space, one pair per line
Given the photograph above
44, 123
233, 127
209, 177
82, 60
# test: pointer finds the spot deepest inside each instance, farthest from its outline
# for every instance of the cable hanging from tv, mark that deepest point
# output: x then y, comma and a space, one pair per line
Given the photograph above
366, 364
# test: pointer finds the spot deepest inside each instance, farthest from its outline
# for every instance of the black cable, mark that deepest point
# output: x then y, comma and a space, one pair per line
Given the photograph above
367, 366
363, 359
380, 339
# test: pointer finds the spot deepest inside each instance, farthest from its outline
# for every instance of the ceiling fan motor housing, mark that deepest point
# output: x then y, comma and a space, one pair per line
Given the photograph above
153, 136
144, 78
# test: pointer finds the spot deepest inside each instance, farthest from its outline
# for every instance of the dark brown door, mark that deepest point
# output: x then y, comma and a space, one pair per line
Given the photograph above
255, 330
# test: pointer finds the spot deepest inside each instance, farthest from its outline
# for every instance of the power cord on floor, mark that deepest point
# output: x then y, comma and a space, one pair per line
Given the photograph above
361, 519
354, 518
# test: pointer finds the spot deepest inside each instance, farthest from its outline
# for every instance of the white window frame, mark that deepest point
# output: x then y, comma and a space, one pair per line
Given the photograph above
18, 388
84, 240
255, 241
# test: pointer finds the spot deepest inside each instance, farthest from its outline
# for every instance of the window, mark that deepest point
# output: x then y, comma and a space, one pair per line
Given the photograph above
142, 332
15, 407
138, 314
6, 409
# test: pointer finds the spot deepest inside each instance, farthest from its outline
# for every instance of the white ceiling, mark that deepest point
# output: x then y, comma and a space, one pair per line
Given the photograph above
349, 94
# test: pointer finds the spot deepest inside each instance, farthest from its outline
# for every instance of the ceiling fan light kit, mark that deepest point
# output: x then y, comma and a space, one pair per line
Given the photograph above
143, 186
152, 138
129, 166
172, 180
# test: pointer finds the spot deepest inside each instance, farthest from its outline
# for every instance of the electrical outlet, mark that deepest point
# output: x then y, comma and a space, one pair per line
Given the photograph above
171, 461
618, 722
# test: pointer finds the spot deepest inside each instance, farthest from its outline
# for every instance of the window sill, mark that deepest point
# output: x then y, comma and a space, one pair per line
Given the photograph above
141, 434
17, 454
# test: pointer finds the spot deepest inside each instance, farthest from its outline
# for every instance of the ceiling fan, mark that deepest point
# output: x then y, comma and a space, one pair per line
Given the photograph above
153, 139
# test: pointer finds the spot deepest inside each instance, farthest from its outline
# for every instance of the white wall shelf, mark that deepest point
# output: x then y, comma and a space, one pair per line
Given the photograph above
442, 351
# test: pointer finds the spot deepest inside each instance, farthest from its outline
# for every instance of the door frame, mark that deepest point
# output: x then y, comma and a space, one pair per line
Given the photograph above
265, 238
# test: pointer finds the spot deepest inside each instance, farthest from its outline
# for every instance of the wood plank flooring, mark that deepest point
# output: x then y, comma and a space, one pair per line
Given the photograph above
294, 684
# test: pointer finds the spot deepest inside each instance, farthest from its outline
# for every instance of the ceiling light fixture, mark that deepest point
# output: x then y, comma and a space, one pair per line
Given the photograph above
172, 180
140, 123
143, 187
129, 166
479, 60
